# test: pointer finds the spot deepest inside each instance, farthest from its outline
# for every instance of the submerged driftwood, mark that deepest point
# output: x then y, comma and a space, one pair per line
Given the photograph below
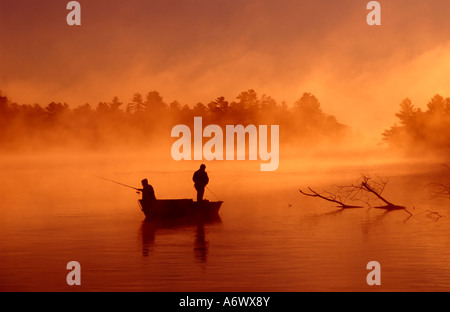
359, 192
439, 189
332, 198
365, 185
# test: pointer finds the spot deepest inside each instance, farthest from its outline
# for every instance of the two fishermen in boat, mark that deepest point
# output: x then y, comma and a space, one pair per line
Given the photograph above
200, 179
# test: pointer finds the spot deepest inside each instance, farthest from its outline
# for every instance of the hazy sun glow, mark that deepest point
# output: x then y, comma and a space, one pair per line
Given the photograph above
153, 89
195, 51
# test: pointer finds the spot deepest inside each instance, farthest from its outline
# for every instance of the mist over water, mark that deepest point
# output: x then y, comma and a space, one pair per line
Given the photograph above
270, 237
101, 100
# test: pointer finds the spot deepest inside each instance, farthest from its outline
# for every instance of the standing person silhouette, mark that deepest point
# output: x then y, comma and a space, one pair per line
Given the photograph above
200, 179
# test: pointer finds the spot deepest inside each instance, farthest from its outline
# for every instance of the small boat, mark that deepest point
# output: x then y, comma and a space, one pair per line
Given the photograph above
180, 208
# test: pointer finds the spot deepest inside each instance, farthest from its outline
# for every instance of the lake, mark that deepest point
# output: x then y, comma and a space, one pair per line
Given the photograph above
54, 210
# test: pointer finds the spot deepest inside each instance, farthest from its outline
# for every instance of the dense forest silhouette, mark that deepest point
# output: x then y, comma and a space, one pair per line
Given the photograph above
147, 119
422, 132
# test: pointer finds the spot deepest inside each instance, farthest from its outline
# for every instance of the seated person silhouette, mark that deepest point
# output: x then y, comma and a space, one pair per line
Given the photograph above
148, 194
200, 179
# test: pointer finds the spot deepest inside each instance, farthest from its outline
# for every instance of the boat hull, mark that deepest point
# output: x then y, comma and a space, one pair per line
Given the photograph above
179, 208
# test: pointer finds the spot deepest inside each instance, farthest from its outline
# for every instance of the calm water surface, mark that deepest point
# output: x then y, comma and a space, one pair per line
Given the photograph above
270, 238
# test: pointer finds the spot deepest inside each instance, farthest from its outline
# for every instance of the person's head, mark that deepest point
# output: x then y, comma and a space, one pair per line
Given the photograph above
202, 167
144, 182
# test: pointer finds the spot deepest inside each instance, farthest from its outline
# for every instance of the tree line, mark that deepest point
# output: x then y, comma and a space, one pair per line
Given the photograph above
146, 118
421, 132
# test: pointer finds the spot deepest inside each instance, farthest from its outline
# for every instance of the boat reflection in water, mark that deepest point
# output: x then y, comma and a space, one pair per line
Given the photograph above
179, 213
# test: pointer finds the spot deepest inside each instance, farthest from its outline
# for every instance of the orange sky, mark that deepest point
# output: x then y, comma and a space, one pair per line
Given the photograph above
196, 50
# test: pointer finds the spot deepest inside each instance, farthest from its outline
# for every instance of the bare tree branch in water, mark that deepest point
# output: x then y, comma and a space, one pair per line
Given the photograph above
439, 189
360, 191
433, 214
334, 198
376, 187
366, 190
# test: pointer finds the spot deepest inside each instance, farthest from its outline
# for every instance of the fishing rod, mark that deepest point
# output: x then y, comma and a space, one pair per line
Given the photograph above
134, 188
139, 190
212, 193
